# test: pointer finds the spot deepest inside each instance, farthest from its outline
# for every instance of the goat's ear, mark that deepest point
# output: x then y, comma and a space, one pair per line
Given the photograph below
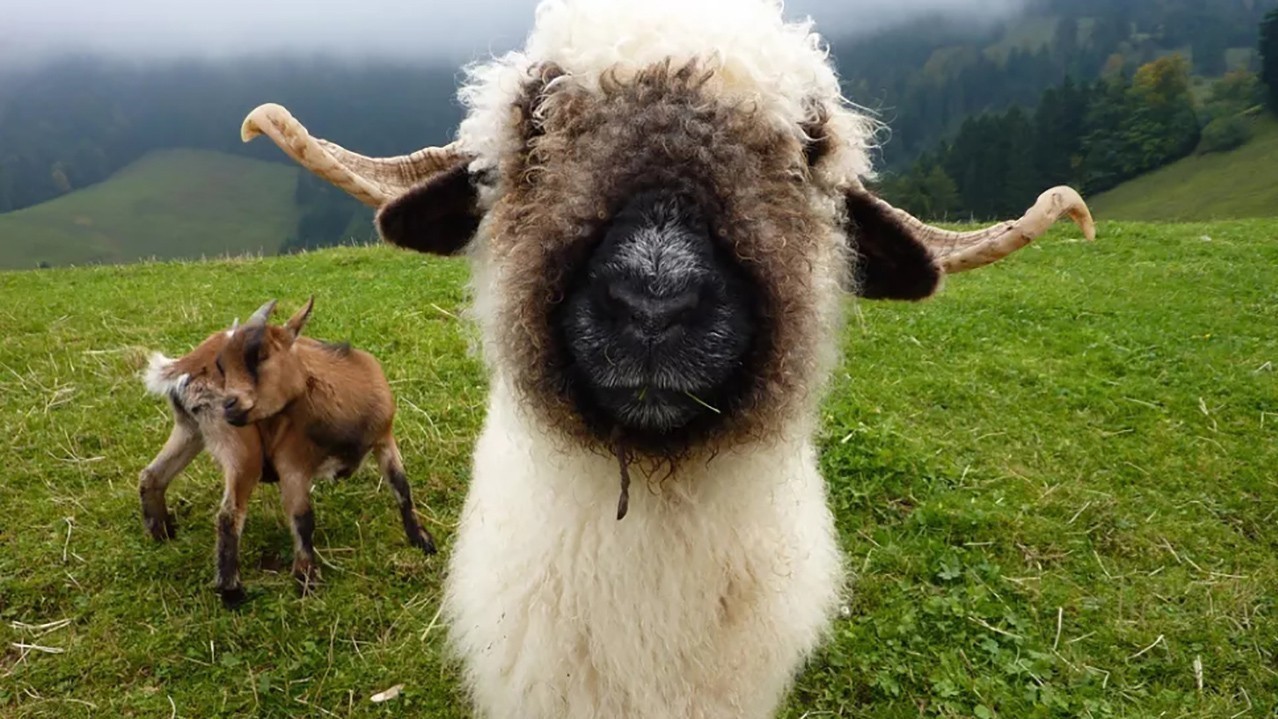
300, 318
438, 217
890, 262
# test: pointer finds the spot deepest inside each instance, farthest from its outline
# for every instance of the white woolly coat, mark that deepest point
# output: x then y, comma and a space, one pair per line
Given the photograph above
705, 600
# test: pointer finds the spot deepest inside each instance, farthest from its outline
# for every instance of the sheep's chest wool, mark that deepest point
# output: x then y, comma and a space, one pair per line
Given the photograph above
663, 207
700, 603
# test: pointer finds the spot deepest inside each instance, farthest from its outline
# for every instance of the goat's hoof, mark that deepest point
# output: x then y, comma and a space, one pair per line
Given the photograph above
162, 529
234, 598
424, 541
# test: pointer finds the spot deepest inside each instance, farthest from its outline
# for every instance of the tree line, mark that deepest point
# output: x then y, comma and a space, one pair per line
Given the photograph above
77, 121
73, 123
1090, 135
926, 77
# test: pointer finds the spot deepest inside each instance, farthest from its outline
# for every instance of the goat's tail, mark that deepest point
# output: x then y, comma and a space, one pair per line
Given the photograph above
161, 377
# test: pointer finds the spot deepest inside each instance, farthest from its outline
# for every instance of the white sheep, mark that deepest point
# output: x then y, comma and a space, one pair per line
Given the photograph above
663, 207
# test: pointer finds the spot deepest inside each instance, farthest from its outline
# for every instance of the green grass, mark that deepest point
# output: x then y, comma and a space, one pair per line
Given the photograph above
1055, 483
1203, 188
169, 204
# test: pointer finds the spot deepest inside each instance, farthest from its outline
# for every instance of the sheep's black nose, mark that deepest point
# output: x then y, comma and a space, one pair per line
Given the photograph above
648, 313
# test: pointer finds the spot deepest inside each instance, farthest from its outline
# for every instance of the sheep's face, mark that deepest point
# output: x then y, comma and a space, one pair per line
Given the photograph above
261, 375
659, 267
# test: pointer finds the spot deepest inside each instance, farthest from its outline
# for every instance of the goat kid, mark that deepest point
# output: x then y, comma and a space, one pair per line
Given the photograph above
273, 406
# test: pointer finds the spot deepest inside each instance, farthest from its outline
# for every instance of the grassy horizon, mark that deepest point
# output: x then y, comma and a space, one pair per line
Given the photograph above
1054, 483
192, 204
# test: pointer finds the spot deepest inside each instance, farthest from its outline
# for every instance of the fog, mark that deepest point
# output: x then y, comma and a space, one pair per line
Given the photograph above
33, 30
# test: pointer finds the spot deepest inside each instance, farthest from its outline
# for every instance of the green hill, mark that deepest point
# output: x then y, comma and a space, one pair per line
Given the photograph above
1238, 184
1054, 483
169, 204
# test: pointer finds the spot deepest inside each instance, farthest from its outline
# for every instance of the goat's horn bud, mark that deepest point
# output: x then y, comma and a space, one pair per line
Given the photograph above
260, 317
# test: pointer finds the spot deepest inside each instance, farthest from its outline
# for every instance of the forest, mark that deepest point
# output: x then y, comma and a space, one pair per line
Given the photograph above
1092, 136
972, 130
1106, 121
927, 77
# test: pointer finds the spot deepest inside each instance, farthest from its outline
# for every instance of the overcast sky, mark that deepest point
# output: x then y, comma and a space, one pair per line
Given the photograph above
396, 28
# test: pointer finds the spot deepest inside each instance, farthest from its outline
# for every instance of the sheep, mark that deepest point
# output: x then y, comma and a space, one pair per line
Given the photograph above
664, 205
276, 407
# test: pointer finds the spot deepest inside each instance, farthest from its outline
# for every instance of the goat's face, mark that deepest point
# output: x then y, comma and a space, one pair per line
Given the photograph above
261, 374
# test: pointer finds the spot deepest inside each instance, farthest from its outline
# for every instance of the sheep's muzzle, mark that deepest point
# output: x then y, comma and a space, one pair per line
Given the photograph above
659, 320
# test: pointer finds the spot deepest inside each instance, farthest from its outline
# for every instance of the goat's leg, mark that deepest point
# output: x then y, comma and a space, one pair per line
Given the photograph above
392, 467
240, 483
183, 445
295, 493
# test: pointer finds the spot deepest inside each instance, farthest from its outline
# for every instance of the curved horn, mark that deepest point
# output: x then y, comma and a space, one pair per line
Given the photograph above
962, 251
262, 314
371, 180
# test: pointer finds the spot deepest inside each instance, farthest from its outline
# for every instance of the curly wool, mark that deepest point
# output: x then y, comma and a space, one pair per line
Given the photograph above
759, 58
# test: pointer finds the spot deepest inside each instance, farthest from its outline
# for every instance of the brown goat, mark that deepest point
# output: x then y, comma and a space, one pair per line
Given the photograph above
273, 406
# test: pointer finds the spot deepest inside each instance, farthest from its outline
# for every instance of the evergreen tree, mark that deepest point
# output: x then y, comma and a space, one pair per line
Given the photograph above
1059, 124
1021, 181
1103, 165
1269, 56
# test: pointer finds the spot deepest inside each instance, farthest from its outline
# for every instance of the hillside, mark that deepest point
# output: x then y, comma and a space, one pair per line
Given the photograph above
75, 120
1241, 183
931, 74
169, 204
1054, 483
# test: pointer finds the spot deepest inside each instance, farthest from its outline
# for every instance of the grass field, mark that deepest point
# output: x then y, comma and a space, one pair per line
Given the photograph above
1055, 483
169, 204
1204, 188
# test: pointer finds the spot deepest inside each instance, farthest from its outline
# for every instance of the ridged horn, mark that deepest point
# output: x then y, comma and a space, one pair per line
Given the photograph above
962, 251
371, 180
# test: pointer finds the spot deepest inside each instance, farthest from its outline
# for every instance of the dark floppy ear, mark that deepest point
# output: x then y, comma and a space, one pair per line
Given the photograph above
890, 262
438, 217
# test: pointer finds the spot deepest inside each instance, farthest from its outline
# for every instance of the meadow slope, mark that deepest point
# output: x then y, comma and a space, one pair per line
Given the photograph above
1203, 188
169, 204
1055, 484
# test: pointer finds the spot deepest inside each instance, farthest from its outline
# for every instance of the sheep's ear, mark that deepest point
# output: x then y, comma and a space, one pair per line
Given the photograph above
890, 262
438, 217
300, 318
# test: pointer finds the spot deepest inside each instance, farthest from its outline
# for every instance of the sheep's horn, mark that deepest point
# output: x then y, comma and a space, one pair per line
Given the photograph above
962, 251
371, 180
260, 317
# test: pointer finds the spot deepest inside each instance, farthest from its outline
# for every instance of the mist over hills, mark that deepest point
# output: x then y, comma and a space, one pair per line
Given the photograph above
73, 121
